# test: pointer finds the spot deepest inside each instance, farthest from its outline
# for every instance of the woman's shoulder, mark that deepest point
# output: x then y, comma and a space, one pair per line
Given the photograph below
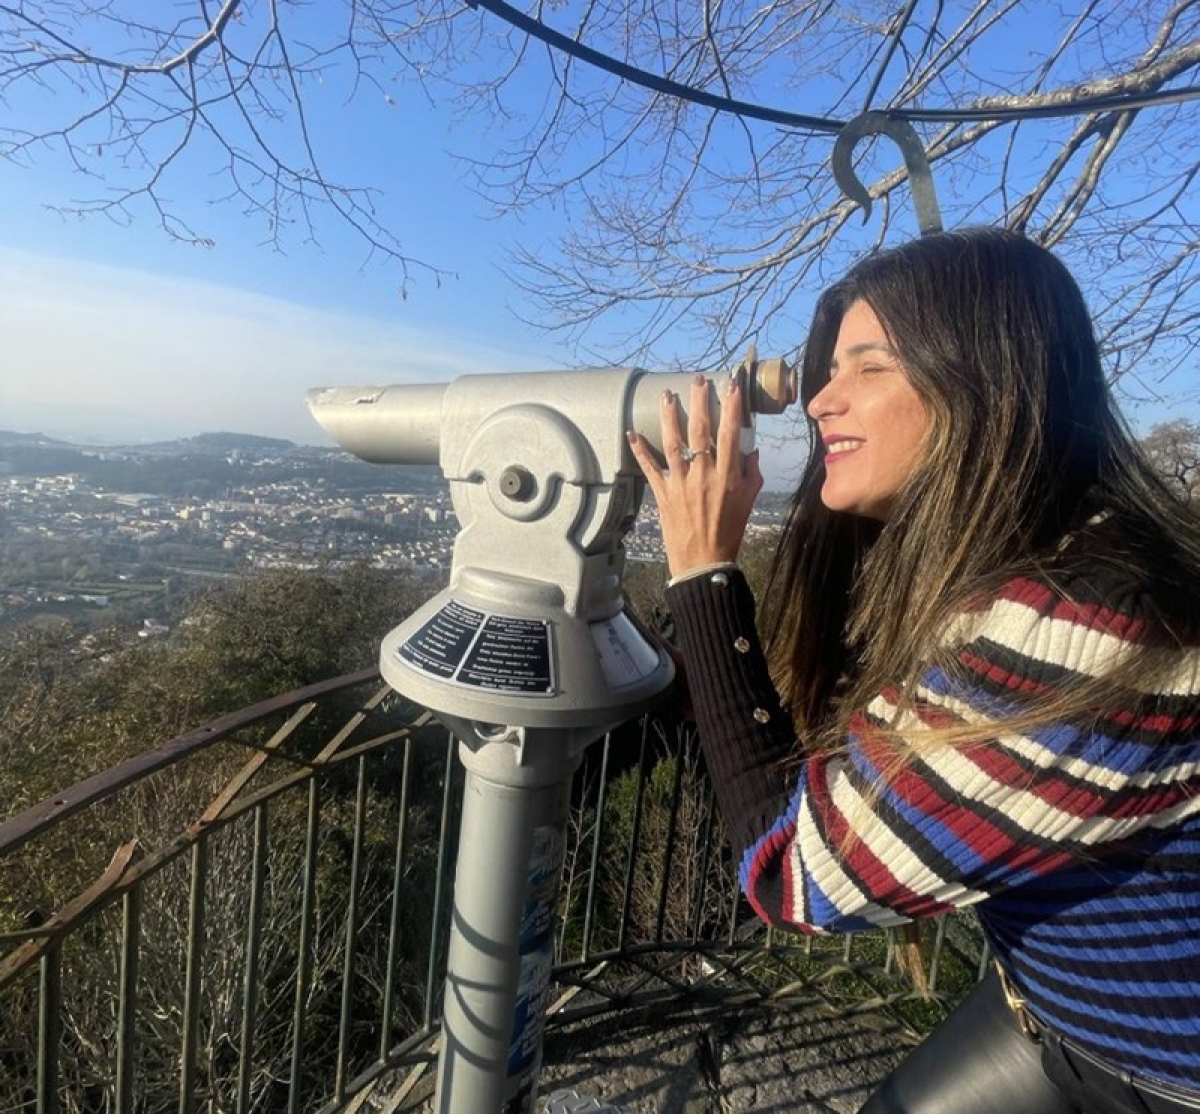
1096, 615
1099, 566
1106, 576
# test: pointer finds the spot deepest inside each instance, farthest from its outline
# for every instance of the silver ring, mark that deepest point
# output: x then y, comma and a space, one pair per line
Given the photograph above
689, 454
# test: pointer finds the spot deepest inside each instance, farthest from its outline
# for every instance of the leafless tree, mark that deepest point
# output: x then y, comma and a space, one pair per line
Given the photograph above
1174, 450
709, 217
688, 143
143, 100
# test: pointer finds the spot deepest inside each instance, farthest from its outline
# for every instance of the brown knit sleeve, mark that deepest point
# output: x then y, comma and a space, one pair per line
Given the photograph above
746, 735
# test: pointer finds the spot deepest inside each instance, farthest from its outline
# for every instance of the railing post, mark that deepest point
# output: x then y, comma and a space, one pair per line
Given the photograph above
194, 977
49, 1030
393, 944
305, 947
131, 930
258, 876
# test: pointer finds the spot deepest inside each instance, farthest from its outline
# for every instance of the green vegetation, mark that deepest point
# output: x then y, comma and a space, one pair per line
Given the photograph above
73, 705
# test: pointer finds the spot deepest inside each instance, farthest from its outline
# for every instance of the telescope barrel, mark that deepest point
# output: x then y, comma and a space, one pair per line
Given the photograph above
770, 388
384, 425
404, 424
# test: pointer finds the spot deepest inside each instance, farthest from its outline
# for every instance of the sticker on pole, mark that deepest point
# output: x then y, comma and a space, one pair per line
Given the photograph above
626, 657
483, 651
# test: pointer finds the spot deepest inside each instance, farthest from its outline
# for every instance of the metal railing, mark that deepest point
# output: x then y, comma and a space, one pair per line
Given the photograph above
254, 915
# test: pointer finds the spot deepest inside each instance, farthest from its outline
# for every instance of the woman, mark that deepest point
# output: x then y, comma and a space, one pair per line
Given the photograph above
984, 637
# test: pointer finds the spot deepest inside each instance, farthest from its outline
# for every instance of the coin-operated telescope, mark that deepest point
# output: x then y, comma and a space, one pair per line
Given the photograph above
528, 655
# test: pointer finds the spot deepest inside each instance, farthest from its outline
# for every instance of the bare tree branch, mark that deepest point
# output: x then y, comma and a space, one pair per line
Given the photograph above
693, 239
148, 102
690, 230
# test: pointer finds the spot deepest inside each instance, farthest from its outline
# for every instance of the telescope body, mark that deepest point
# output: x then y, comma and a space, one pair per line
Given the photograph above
532, 630
528, 655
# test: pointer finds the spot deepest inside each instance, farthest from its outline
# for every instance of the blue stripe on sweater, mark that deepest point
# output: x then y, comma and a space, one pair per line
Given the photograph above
785, 820
938, 835
1042, 979
1116, 753
1162, 945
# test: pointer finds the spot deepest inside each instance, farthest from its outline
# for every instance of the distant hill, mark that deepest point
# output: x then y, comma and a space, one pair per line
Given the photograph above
40, 440
205, 465
225, 442
218, 443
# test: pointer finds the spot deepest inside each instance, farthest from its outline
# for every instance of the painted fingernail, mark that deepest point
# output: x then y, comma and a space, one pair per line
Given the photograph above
631, 437
668, 397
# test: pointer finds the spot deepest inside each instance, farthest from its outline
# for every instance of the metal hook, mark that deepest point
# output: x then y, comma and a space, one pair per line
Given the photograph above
916, 162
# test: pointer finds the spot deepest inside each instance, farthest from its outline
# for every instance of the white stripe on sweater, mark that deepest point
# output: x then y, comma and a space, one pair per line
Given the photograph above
1059, 642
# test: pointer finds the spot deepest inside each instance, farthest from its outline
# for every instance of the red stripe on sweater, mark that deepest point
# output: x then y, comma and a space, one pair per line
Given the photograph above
881, 884
1151, 722
771, 856
1156, 723
1078, 799
1093, 616
1014, 682
973, 827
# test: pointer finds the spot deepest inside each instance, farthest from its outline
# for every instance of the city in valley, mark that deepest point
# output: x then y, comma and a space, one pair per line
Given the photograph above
123, 535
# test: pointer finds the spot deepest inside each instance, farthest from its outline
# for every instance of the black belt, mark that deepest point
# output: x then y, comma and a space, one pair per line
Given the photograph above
1147, 1096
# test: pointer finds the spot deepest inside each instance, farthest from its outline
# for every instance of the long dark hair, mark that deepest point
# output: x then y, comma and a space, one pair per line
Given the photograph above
1024, 444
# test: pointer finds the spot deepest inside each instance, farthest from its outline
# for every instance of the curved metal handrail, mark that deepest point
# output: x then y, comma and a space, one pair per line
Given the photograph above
54, 809
319, 871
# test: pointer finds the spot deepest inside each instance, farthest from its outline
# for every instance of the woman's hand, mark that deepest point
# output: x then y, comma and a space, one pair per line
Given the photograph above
706, 494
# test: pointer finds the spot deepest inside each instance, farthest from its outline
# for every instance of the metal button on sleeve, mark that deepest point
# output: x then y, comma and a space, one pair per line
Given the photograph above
741, 645
762, 715
720, 579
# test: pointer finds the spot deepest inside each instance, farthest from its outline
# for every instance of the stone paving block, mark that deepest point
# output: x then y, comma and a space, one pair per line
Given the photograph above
798, 1060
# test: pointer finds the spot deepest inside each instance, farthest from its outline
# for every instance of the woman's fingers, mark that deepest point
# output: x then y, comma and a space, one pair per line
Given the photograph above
707, 489
729, 431
673, 441
699, 432
701, 442
644, 455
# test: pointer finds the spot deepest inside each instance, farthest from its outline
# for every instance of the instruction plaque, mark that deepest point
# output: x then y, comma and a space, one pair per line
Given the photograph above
469, 647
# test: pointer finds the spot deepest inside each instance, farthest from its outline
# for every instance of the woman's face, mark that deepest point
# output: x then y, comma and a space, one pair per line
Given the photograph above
872, 421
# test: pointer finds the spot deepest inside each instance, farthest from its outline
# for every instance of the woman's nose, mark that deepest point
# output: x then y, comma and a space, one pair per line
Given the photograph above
827, 402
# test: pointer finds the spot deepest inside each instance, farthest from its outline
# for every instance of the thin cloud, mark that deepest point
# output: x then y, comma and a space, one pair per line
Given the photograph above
173, 356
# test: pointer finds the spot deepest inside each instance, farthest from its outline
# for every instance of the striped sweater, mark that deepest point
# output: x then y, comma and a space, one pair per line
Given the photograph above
1078, 846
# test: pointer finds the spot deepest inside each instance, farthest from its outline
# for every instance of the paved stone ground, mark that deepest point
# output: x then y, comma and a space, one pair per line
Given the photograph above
781, 1060
799, 1060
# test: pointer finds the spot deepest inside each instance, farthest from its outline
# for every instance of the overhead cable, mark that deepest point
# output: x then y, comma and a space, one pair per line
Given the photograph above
659, 84
1067, 106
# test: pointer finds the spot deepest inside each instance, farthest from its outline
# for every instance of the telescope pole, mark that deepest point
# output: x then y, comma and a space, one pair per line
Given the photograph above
501, 948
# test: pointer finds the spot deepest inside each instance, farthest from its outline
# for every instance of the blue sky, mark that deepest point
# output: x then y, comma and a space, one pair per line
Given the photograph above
116, 332
113, 329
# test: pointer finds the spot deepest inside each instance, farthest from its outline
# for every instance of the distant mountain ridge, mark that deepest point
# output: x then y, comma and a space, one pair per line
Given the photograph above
229, 442
12, 437
223, 441
205, 465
